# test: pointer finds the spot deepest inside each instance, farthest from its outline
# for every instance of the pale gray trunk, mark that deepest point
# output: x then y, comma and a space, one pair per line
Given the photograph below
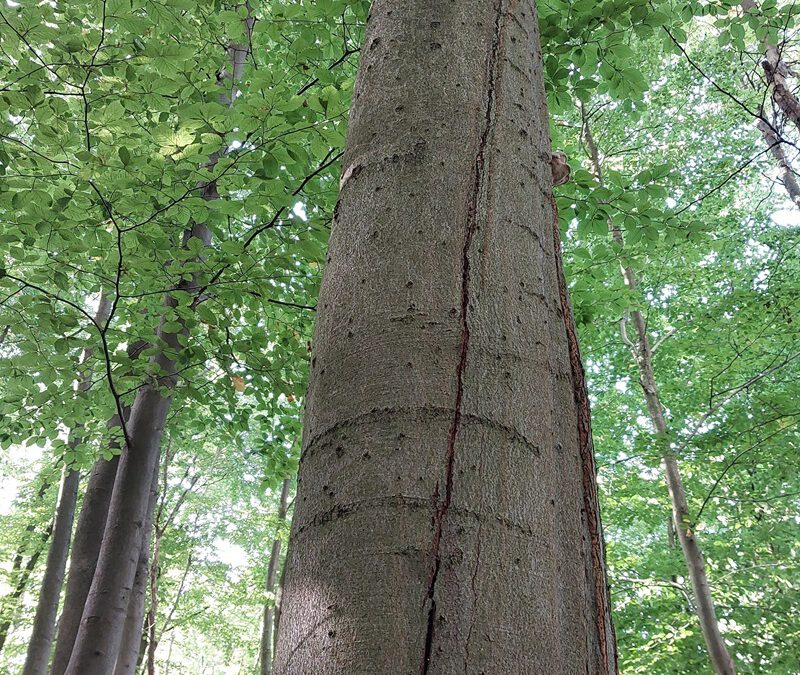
776, 71
100, 634
83, 559
643, 355
445, 518
267, 629
132, 631
19, 576
788, 178
88, 539
41, 639
99, 637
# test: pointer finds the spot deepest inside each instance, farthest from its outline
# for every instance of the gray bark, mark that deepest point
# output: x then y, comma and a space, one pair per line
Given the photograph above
99, 636
19, 575
38, 654
267, 629
788, 178
132, 631
88, 539
83, 558
446, 519
643, 355
776, 71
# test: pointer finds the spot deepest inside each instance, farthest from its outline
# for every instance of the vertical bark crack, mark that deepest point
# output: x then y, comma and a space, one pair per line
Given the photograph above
587, 459
443, 506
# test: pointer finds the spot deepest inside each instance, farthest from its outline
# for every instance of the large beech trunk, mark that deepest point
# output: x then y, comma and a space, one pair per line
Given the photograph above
44, 623
267, 627
446, 517
643, 355
132, 631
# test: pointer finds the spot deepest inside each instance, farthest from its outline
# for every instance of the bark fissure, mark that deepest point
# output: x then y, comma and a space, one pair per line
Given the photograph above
479, 182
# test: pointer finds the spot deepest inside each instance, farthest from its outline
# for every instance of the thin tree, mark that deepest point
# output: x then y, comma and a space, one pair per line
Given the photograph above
446, 517
132, 632
88, 538
268, 625
642, 353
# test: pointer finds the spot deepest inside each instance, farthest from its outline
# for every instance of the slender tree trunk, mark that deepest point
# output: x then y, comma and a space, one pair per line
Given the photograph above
99, 637
44, 622
152, 612
132, 632
23, 575
776, 72
643, 355
446, 517
788, 178
267, 630
18, 577
278, 605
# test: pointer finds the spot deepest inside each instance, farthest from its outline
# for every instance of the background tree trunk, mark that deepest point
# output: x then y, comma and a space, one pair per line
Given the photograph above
100, 634
44, 622
132, 631
88, 539
643, 356
41, 640
83, 558
446, 489
267, 629
19, 576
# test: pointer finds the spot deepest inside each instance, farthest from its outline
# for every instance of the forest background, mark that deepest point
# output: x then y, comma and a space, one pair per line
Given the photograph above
675, 120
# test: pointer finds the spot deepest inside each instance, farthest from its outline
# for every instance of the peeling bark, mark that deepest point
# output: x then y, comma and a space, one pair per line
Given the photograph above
445, 494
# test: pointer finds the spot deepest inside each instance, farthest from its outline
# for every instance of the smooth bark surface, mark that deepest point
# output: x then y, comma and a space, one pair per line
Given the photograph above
132, 632
267, 627
443, 523
44, 622
83, 557
643, 355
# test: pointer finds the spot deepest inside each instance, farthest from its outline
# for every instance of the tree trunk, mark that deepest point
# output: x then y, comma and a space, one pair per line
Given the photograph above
788, 178
11, 600
152, 612
643, 355
446, 518
19, 576
83, 558
99, 636
267, 630
132, 631
44, 622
